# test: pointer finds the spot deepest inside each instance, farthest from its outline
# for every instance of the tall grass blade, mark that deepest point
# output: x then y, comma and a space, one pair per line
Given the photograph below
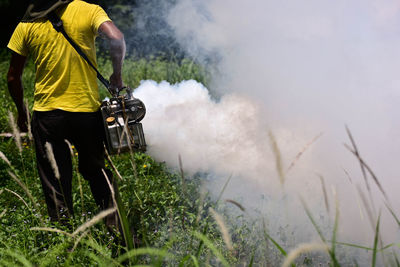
195, 261
335, 226
276, 244
309, 215
200, 247
211, 246
112, 164
331, 252
184, 260
124, 219
393, 214
324, 193
375, 178
105, 259
98, 260
126, 232
376, 239
223, 189
182, 175
252, 258
396, 260
353, 245
357, 154
347, 175
366, 248
189, 257
355, 151
18, 257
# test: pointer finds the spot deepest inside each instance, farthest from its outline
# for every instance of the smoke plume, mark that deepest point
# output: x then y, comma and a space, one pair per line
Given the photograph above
288, 71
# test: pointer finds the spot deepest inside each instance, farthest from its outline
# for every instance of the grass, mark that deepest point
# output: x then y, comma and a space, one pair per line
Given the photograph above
161, 212
177, 223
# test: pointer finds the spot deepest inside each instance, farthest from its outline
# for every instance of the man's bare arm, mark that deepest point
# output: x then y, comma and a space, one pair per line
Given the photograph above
14, 80
117, 51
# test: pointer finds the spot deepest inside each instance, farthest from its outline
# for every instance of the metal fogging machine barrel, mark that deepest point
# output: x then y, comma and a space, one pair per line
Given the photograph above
121, 118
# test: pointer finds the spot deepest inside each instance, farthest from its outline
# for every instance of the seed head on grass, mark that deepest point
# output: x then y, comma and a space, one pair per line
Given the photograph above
23, 187
237, 204
278, 158
49, 229
5, 159
52, 159
304, 248
16, 133
93, 221
71, 149
3, 213
18, 196
28, 119
224, 230
79, 240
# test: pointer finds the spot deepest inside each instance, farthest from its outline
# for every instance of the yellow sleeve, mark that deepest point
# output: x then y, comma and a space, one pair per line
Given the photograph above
99, 16
17, 42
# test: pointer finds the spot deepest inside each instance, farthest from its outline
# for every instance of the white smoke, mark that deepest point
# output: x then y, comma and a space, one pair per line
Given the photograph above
229, 138
296, 69
209, 136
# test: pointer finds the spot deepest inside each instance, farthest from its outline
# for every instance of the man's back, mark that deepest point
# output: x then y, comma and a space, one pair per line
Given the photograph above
63, 79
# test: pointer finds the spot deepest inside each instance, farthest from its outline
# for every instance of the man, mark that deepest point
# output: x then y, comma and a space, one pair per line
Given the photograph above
66, 98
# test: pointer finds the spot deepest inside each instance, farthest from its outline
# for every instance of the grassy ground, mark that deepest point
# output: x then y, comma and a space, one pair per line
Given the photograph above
171, 220
177, 224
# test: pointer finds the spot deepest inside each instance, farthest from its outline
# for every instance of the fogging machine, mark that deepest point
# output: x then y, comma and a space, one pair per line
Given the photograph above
121, 119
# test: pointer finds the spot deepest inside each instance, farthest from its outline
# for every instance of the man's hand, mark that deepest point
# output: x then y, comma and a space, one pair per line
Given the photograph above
17, 64
116, 82
22, 122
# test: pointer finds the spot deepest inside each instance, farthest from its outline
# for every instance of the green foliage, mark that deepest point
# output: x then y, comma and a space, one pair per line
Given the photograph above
161, 212
157, 69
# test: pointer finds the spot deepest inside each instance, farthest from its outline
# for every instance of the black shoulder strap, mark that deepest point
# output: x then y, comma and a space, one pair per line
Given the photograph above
38, 9
58, 26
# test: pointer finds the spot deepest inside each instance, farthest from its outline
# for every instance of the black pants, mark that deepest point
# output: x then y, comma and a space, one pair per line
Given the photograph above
85, 131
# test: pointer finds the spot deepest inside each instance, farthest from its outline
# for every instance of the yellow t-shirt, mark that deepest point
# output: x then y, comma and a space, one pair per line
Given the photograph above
64, 80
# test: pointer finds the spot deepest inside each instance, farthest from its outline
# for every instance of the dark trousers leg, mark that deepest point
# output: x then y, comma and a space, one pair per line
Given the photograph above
88, 137
85, 131
48, 127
